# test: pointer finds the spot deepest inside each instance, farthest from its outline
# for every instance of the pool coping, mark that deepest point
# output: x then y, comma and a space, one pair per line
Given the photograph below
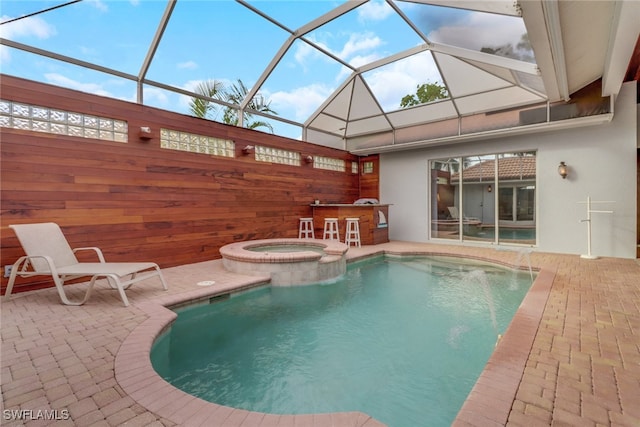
488, 403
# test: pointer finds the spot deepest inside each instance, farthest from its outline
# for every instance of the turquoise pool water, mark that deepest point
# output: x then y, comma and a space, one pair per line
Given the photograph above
403, 341
505, 233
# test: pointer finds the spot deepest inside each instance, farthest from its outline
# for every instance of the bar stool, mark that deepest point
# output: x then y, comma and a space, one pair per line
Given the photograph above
306, 229
352, 234
331, 229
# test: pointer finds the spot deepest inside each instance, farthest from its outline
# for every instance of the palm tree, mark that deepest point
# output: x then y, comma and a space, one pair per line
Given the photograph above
235, 95
201, 107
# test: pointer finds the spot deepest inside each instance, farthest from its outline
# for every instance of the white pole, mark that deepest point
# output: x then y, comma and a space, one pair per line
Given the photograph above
588, 220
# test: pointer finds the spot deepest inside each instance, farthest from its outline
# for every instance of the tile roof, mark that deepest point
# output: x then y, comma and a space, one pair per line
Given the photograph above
509, 168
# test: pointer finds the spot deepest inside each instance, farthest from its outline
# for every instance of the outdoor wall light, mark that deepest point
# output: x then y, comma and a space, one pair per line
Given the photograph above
563, 170
144, 133
308, 159
489, 188
248, 149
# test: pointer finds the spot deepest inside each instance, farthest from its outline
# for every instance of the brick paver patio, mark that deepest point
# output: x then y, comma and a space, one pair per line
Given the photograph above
571, 357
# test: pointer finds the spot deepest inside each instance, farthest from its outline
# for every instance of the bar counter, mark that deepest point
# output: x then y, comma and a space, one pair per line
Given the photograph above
374, 220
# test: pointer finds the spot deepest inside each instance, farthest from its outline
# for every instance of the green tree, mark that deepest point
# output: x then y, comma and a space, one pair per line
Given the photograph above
425, 92
203, 108
235, 95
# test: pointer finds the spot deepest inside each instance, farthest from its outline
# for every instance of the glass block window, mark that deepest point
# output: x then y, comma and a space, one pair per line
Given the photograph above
329, 163
184, 141
17, 115
367, 167
277, 155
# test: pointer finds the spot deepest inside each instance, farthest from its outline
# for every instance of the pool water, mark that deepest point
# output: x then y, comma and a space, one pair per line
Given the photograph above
505, 233
403, 341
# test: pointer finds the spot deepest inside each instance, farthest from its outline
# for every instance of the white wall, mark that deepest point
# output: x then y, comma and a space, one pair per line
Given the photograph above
602, 164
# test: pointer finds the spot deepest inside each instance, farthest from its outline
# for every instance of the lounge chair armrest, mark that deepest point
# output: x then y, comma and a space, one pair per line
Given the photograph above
20, 268
96, 250
24, 266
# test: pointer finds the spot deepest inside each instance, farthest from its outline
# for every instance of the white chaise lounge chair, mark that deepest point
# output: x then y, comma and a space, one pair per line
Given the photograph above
455, 214
49, 254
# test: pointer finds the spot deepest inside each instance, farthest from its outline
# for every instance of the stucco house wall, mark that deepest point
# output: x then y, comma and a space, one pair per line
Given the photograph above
602, 165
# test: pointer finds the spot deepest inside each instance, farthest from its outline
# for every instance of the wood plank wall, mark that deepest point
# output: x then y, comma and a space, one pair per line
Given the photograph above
139, 202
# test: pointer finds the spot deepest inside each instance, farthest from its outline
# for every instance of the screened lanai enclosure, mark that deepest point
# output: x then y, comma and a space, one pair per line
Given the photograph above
365, 76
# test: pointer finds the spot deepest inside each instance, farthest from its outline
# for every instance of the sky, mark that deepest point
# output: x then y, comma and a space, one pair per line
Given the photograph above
225, 41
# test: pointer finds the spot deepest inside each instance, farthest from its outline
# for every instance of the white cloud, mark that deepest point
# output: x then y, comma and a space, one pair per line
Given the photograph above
153, 93
357, 46
359, 42
187, 65
5, 55
389, 84
481, 30
360, 60
305, 53
374, 10
27, 27
356, 61
60, 80
99, 4
303, 100
23, 28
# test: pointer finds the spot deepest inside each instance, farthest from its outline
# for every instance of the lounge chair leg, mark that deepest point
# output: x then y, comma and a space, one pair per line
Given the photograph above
164, 284
63, 296
120, 289
12, 277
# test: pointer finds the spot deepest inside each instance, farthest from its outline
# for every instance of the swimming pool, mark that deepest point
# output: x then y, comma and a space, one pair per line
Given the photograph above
401, 341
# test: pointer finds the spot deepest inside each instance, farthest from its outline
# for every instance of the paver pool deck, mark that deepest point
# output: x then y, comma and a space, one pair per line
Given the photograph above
571, 356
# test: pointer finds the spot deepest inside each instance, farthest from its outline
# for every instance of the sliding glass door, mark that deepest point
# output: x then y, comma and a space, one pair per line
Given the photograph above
489, 197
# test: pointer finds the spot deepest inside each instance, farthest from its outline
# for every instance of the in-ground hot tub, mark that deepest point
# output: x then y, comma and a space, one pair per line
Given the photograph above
287, 261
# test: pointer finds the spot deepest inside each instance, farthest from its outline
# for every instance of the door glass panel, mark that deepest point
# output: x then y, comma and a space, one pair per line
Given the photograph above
477, 210
505, 204
517, 197
525, 200
444, 196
